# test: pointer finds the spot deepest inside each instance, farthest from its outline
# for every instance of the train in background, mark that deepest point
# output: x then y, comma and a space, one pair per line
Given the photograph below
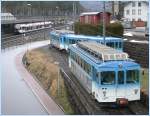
107, 74
27, 27
63, 38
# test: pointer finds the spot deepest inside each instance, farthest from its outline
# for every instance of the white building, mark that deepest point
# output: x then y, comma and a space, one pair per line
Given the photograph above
136, 11
7, 16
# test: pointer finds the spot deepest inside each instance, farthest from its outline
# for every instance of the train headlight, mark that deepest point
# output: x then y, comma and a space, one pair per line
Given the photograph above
135, 91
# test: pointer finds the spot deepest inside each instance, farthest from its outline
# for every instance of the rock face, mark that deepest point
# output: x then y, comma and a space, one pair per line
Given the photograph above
138, 52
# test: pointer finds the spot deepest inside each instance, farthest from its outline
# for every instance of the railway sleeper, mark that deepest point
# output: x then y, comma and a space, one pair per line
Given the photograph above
138, 108
78, 106
88, 105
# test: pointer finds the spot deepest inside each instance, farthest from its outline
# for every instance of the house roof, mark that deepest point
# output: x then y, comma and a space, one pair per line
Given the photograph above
92, 13
126, 3
88, 13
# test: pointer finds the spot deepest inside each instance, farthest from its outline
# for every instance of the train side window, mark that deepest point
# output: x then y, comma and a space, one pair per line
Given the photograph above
97, 77
120, 45
120, 77
107, 77
73, 42
112, 57
116, 45
132, 76
64, 40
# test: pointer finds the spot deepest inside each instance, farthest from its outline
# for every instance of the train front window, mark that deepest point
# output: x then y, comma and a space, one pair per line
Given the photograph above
120, 77
108, 78
116, 45
110, 44
132, 76
120, 45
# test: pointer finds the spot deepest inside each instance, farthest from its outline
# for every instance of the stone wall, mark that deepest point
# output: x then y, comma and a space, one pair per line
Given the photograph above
139, 52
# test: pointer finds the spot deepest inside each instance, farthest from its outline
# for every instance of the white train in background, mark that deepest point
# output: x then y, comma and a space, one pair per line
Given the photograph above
23, 28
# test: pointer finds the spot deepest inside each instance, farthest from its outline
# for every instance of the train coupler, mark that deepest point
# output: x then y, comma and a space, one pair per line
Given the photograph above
122, 101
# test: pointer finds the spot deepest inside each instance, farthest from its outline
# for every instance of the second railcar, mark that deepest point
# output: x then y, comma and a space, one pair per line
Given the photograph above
62, 40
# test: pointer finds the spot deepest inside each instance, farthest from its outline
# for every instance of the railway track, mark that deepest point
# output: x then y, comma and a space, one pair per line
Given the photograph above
23, 39
15, 40
140, 38
92, 106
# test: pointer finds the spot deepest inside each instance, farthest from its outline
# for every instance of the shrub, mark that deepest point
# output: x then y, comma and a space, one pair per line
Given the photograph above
114, 29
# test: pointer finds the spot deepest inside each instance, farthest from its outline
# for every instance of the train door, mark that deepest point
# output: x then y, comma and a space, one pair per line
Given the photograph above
108, 86
133, 83
120, 85
65, 42
61, 42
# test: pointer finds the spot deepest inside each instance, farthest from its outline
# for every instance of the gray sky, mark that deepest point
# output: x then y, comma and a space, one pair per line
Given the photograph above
96, 5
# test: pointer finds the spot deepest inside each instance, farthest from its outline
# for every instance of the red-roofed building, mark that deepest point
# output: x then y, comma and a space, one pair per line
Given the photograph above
94, 17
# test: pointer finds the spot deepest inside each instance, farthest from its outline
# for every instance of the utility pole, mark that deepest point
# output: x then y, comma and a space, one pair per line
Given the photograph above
58, 78
44, 21
104, 22
74, 13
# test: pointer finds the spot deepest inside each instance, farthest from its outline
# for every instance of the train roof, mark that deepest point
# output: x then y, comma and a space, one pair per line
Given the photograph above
98, 63
120, 64
57, 32
70, 35
73, 36
102, 52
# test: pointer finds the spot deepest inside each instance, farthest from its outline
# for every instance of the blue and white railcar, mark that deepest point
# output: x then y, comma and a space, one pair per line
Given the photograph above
57, 39
63, 40
108, 74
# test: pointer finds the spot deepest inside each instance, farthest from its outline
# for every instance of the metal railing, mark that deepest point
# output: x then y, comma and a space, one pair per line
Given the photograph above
21, 39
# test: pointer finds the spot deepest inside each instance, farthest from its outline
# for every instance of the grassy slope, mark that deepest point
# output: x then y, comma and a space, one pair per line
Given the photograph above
145, 80
43, 67
46, 73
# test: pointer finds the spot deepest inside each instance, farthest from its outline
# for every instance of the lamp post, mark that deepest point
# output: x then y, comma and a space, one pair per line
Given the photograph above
29, 38
30, 9
44, 21
58, 78
104, 22
57, 9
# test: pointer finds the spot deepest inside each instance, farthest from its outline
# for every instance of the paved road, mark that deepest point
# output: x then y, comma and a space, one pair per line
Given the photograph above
17, 97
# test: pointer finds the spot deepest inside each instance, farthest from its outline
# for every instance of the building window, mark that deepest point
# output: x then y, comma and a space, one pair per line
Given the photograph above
139, 4
133, 12
133, 4
139, 11
127, 12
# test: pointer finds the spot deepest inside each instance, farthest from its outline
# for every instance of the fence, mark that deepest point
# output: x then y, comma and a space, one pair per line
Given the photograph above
21, 39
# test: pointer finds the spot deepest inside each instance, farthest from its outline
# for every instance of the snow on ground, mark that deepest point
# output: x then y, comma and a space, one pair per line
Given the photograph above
128, 34
135, 41
125, 39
